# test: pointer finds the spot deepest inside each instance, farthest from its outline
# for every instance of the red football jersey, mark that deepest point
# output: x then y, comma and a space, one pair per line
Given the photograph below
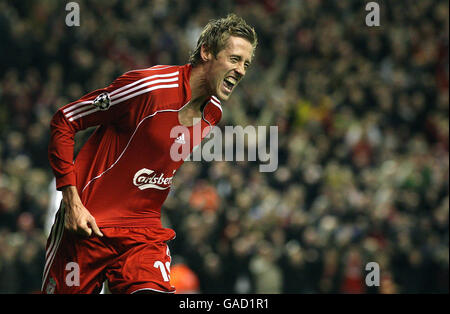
124, 171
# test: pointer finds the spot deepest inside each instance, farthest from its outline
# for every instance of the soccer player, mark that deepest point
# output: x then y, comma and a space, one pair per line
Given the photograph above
108, 225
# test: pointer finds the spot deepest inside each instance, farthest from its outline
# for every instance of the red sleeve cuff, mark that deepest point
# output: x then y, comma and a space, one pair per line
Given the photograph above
68, 179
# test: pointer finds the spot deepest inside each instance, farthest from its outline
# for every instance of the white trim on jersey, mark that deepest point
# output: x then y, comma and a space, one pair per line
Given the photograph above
142, 92
217, 104
56, 236
142, 80
75, 106
150, 289
134, 132
129, 141
154, 68
113, 96
216, 99
71, 113
85, 108
210, 125
123, 99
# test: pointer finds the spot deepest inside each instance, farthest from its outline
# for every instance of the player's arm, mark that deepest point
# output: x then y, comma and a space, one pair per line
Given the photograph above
77, 218
101, 107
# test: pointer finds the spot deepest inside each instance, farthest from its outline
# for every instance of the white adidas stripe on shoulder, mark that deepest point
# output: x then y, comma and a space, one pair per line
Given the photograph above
75, 106
85, 108
154, 68
143, 91
95, 109
114, 95
142, 80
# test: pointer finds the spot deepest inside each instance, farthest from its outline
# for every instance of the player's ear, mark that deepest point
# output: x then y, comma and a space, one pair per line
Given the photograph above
205, 54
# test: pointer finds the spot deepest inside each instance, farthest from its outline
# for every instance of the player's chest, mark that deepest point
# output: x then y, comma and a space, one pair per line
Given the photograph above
162, 134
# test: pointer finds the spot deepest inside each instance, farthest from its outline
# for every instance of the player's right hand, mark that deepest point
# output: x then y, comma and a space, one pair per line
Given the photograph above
77, 217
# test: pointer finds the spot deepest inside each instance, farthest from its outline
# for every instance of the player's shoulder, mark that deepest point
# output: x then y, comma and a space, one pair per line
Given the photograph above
159, 77
157, 71
164, 84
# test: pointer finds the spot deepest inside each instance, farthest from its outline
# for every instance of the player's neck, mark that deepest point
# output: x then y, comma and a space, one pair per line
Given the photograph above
199, 90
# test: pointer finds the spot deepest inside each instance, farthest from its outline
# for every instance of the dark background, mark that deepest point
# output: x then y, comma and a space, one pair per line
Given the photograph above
362, 116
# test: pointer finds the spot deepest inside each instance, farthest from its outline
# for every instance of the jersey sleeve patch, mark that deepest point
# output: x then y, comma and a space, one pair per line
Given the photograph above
102, 101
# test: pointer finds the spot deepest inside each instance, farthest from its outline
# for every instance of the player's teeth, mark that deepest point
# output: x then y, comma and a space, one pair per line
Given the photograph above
231, 80
230, 83
227, 83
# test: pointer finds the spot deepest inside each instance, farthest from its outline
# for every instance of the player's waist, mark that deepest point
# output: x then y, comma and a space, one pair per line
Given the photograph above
149, 218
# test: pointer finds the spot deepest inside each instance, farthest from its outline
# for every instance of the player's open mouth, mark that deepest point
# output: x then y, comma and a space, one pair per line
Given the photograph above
229, 82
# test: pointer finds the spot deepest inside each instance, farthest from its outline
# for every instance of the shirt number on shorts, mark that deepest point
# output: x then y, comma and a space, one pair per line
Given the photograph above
165, 269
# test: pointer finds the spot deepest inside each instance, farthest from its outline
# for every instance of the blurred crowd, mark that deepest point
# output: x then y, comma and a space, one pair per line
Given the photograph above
362, 116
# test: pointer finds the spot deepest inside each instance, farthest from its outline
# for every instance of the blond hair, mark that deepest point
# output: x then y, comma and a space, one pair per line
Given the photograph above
216, 33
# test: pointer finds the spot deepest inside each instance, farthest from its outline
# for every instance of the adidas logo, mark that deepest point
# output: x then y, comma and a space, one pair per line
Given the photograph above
180, 139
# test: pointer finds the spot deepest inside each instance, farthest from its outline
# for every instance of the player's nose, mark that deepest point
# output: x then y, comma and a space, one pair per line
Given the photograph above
240, 71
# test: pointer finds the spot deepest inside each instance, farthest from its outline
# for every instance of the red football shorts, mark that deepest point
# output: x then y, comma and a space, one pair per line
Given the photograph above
131, 259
